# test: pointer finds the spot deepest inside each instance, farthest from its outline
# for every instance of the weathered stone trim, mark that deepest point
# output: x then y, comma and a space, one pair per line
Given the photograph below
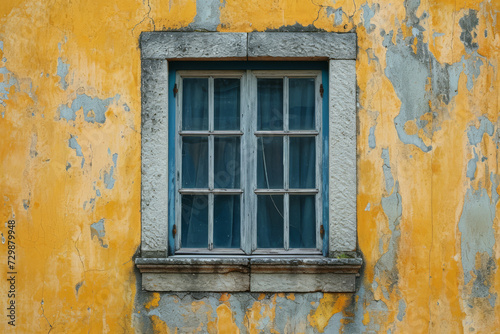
249, 274
193, 45
243, 46
154, 157
305, 45
342, 156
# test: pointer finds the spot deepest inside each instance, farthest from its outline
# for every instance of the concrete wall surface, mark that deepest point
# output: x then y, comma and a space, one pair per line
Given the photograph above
428, 81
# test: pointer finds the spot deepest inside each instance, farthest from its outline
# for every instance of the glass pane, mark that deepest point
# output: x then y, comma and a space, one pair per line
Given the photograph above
302, 162
270, 221
302, 221
226, 221
194, 218
301, 104
195, 104
270, 162
226, 104
270, 104
227, 162
195, 162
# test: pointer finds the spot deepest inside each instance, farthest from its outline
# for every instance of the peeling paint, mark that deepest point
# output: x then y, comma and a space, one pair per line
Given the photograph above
207, 15
371, 138
471, 166
476, 228
368, 13
94, 108
475, 135
62, 72
469, 23
97, 230
109, 180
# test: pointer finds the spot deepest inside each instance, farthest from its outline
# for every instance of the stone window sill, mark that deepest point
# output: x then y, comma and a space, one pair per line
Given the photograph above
253, 274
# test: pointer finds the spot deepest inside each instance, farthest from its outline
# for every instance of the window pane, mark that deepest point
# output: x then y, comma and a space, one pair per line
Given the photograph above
226, 104
302, 162
195, 162
302, 221
270, 104
195, 104
270, 221
270, 162
302, 104
227, 162
226, 221
194, 218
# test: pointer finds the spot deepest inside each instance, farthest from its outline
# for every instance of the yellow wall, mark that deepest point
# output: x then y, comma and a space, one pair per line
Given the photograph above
428, 167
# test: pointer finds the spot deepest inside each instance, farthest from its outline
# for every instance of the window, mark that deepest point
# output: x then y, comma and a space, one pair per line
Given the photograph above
249, 172
229, 199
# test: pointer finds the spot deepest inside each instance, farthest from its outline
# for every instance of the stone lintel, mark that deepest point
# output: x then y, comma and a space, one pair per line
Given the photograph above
194, 45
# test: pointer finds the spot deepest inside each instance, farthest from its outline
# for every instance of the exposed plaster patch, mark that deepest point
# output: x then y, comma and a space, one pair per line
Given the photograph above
402, 309
97, 230
471, 166
475, 135
386, 168
62, 72
368, 14
371, 138
207, 15
338, 16
78, 286
385, 268
109, 179
72, 143
476, 228
469, 23
412, 72
94, 108
8, 81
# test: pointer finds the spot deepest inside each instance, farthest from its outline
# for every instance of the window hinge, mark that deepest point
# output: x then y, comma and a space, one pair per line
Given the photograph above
174, 230
176, 90
321, 90
321, 231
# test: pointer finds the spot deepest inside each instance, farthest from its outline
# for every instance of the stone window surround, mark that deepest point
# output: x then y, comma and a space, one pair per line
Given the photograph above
335, 273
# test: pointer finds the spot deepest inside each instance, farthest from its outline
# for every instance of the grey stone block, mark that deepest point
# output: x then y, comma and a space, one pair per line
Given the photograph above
193, 45
154, 158
302, 45
342, 156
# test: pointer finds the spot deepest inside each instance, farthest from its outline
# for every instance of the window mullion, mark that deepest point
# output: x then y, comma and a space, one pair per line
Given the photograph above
178, 174
210, 163
252, 154
286, 151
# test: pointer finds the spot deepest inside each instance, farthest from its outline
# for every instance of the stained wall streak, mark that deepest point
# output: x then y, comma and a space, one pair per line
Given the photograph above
428, 171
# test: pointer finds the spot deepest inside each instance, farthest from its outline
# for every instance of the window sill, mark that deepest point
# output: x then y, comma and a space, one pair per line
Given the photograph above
254, 274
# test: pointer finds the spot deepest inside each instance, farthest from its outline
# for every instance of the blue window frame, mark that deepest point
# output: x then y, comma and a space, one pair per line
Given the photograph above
295, 202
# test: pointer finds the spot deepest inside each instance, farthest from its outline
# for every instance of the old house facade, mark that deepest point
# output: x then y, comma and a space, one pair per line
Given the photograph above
366, 202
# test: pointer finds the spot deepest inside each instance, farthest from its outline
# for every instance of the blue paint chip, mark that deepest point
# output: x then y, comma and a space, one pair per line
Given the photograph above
97, 230
74, 145
94, 108
475, 135
62, 72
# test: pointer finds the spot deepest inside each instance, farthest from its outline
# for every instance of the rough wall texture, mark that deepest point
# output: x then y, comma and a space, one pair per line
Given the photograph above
428, 167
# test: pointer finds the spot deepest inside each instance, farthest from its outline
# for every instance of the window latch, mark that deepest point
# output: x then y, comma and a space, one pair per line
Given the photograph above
174, 230
321, 90
176, 90
321, 231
